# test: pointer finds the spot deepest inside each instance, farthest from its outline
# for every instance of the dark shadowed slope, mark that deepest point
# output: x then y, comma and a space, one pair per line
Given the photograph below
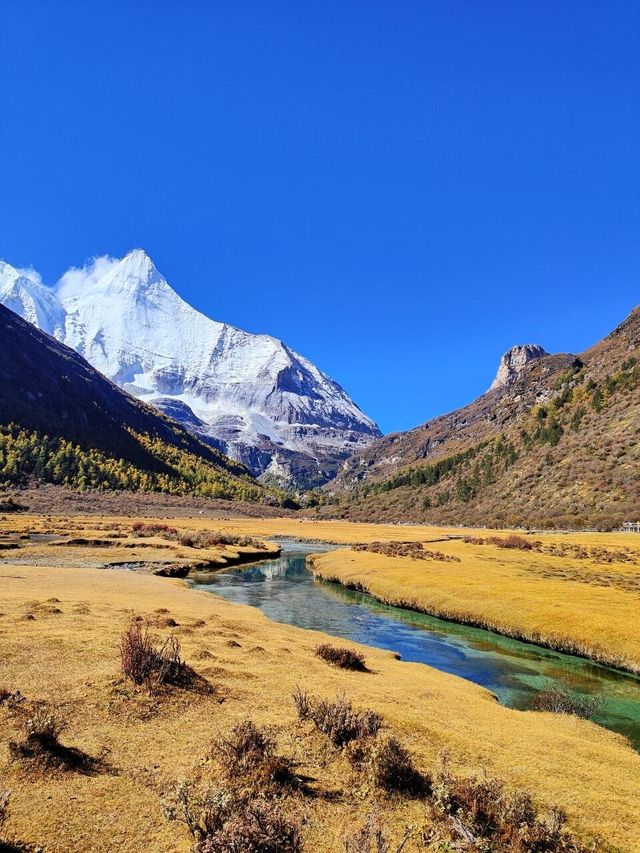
47, 389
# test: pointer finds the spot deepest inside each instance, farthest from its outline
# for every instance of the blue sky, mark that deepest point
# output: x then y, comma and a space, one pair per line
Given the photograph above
399, 190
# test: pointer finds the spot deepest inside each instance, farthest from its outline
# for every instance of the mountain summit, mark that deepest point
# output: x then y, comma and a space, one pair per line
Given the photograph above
249, 395
513, 363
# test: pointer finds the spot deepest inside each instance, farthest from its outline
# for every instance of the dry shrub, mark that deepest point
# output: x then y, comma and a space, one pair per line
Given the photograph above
521, 543
438, 555
337, 720
368, 838
343, 658
222, 821
248, 755
596, 553
514, 540
141, 528
41, 746
405, 549
560, 698
144, 663
5, 796
556, 549
43, 729
10, 697
393, 770
138, 653
485, 816
213, 538
302, 702
257, 827
392, 549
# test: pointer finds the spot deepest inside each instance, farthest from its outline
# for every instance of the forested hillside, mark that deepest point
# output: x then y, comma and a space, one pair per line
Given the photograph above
63, 422
560, 447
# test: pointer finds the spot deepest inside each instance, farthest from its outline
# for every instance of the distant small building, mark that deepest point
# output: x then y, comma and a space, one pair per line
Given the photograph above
631, 526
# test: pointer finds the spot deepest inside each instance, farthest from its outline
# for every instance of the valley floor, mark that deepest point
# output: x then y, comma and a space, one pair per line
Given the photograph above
60, 633
577, 593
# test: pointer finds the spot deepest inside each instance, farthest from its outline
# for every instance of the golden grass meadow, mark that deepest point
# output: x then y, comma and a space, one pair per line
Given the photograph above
60, 632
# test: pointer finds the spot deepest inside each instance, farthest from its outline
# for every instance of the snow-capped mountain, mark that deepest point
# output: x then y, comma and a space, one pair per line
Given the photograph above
250, 395
23, 293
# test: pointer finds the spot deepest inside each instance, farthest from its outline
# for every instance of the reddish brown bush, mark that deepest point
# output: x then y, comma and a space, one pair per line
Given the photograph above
343, 658
248, 754
141, 528
482, 813
257, 827
392, 769
138, 653
415, 550
247, 747
145, 663
522, 543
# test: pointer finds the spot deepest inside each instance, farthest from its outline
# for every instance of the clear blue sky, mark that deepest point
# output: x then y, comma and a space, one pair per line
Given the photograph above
399, 190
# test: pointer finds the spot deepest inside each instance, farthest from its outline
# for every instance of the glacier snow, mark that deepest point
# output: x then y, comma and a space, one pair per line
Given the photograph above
249, 395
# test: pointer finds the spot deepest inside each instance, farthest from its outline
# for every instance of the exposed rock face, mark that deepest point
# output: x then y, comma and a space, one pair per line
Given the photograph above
249, 395
513, 362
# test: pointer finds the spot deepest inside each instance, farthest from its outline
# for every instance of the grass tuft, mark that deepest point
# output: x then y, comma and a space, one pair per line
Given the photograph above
145, 663
342, 658
560, 698
248, 755
337, 720
41, 747
221, 820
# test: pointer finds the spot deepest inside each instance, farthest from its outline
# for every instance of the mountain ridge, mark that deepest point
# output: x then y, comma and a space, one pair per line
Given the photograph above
251, 396
61, 421
556, 446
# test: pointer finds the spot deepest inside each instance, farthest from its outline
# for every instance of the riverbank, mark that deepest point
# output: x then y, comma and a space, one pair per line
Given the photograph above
169, 550
254, 665
60, 633
517, 673
583, 600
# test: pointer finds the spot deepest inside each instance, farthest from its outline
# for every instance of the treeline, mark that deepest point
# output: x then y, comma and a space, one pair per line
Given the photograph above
27, 455
432, 473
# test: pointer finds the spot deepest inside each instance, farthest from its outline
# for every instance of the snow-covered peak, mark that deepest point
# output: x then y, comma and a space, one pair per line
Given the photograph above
135, 277
253, 394
136, 271
22, 292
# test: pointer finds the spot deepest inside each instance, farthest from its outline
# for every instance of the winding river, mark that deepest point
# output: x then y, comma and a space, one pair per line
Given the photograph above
286, 591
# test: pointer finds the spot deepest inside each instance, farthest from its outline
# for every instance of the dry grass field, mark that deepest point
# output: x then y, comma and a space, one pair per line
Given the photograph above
567, 595
60, 633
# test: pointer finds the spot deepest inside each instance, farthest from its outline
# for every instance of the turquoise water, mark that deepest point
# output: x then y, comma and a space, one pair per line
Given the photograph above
286, 591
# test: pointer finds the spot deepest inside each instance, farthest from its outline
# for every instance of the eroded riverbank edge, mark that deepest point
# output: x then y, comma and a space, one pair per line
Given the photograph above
563, 645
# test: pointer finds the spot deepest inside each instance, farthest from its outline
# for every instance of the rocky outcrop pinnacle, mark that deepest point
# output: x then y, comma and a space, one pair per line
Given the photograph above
513, 363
